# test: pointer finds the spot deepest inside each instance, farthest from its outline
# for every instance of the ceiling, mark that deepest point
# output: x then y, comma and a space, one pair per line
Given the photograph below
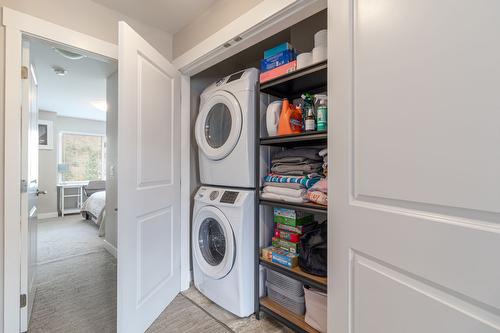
70, 95
167, 15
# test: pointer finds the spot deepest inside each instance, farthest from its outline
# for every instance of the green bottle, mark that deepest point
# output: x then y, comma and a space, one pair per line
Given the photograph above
322, 115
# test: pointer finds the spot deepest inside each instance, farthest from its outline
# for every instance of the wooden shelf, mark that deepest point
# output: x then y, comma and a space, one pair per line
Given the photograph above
317, 282
305, 207
311, 79
285, 316
302, 139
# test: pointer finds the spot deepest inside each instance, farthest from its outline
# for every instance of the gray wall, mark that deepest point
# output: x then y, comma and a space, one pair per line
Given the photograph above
112, 156
215, 18
47, 169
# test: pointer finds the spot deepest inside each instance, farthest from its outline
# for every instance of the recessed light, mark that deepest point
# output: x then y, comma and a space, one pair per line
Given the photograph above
59, 71
68, 54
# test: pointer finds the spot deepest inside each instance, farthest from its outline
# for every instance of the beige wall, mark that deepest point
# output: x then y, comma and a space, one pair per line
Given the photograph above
81, 15
214, 19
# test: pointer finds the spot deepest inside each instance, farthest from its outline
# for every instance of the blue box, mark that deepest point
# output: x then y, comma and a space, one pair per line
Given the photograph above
277, 49
281, 58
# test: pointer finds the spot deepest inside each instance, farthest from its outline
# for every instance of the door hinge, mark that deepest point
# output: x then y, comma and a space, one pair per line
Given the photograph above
24, 72
24, 186
23, 300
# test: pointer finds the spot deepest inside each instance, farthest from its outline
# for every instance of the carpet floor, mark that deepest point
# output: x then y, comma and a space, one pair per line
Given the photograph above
76, 290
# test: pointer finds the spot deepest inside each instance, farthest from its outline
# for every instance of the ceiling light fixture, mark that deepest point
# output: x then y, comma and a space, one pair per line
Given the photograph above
68, 54
100, 105
59, 71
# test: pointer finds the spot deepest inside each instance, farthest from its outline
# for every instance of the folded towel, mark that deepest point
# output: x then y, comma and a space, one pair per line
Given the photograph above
321, 186
310, 153
307, 181
292, 159
286, 185
301, 193
298, 169
279, 197
318, 197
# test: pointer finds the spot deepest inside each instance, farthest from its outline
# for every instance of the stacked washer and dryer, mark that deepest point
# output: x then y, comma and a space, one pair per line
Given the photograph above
223, 216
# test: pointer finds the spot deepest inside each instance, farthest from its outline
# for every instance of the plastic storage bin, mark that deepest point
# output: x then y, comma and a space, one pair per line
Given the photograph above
281, 296
292, 286
316, 302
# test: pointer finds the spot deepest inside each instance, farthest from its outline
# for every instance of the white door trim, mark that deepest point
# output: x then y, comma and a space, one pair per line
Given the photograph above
16, 24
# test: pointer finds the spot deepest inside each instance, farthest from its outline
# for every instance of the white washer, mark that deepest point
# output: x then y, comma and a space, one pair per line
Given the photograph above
222, 244
225, 130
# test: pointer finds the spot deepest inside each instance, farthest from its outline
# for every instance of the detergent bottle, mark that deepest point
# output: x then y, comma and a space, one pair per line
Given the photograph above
290, 119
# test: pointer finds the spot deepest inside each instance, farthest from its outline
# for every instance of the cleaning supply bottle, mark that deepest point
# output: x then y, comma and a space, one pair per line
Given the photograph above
307, 104
290, 119
310, 122
322, 114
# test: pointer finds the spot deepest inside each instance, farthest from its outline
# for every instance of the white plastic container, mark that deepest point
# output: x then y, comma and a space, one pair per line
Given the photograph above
319, 53
321, 38
304, 60
316, 302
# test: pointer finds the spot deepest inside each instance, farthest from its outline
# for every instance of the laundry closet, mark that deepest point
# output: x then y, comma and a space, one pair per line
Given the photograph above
258, 189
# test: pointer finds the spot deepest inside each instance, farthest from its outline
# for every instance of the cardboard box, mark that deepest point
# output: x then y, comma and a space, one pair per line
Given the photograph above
277, 60
300, 229
287, 235
286, 245
285, 258
278, 71
277, 49
292, 217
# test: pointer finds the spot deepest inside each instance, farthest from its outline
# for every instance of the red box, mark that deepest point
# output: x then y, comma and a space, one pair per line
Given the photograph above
287, 235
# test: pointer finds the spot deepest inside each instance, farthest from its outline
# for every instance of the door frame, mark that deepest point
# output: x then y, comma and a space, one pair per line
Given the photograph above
16, 25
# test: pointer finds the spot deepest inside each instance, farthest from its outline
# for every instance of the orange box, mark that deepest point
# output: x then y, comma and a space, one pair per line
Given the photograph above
278, 71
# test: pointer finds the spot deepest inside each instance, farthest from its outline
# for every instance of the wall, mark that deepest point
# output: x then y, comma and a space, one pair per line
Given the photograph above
81, 15
111, 226
214, 19
47, 171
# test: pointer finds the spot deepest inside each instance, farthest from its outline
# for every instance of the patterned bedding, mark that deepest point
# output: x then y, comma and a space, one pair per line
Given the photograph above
94, 206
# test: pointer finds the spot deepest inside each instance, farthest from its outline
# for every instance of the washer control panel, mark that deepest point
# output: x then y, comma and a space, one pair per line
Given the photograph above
229, 197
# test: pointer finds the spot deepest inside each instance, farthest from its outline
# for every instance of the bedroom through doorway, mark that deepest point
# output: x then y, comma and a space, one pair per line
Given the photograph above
73, 97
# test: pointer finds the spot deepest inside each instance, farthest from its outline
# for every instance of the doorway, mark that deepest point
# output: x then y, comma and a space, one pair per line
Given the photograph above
69, 118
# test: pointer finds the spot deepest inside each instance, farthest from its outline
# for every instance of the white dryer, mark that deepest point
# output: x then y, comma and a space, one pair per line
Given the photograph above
225, 130
222, 246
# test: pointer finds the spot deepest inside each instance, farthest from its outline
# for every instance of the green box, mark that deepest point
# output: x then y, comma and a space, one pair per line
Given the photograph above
286, 245
292, 217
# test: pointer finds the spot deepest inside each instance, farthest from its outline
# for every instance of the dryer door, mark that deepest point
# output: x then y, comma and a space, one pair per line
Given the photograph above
218, 126
213, 242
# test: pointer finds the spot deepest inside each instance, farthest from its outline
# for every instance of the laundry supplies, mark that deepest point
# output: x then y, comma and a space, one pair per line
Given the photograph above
277, 61
273, 117
290, 119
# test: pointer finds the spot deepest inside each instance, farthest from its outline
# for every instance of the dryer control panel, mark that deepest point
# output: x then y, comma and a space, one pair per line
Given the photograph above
225, 197
229, 197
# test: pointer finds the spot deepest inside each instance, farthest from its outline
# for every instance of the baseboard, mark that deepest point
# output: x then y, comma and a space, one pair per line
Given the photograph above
43, 216
110, 248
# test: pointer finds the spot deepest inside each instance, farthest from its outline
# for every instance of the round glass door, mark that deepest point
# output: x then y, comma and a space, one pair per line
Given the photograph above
213, 242
218, 126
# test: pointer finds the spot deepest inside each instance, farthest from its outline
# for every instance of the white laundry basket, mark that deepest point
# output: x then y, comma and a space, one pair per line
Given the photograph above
316, 303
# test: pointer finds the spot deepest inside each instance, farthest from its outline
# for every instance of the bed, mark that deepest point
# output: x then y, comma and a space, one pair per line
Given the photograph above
93, 209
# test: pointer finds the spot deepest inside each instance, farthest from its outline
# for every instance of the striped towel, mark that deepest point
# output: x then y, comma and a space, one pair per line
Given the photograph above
307, 181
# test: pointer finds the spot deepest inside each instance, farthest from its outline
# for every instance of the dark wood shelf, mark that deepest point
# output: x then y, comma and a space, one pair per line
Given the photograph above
305, 207
296, 273
302, 139
285, 316
312, 79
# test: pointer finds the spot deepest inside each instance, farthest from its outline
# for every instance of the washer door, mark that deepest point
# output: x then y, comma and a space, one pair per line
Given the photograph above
213, 242
218, 126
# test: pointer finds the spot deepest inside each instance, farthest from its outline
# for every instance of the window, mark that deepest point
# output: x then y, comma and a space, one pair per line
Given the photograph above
83, 157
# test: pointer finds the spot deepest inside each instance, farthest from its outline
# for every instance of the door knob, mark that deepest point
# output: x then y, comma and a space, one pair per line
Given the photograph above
38, 192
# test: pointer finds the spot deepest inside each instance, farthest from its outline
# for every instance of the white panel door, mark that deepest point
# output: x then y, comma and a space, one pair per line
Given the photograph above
415, 237
29, 191
148, 182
